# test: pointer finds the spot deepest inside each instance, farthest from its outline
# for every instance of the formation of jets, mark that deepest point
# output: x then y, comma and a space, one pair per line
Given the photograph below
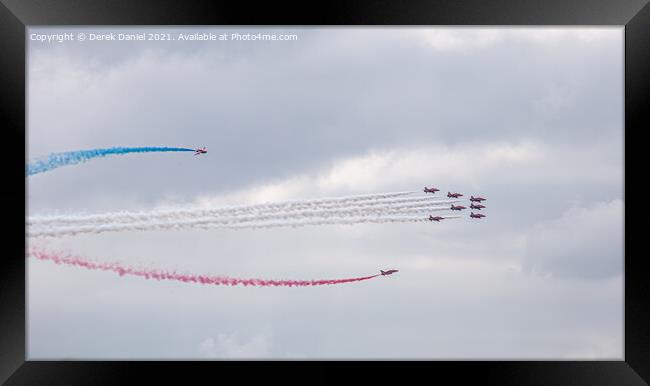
475, 203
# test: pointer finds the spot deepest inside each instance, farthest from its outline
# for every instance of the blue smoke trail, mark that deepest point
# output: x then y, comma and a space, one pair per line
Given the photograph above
56, 160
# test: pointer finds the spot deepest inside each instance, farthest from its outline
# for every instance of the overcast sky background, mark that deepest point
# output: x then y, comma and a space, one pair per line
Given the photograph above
531, 118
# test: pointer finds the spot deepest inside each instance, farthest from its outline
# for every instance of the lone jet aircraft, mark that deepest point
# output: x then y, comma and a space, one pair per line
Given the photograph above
201, 150
389, 272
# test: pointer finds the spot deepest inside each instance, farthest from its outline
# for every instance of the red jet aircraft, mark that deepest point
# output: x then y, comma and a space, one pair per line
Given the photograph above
430, 190
453, 195
477, 199
459, 207
476, 206
201, 150
472, 215
389, 272
437, 218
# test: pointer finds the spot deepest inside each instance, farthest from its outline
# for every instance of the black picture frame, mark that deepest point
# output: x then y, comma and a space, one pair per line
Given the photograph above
15, 15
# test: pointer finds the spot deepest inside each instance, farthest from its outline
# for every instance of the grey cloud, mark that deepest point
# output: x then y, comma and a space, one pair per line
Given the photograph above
583, 243
232, 346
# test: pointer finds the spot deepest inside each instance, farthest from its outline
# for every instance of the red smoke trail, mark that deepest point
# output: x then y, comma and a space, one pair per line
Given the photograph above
186, 278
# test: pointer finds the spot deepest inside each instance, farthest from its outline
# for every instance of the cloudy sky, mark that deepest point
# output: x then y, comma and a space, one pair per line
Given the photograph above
532, 118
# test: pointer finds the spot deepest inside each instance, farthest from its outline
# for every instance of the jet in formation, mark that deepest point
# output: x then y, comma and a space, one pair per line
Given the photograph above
453, 195
437, 218
431, 190
477, 199
478, 215
476, 206
457, 207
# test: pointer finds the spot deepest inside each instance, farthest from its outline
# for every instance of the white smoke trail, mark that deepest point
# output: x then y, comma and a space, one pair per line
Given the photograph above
253, 208
51, 229
71, 231
236, 222
296, 224
257, 218
311, 213
210, 216
113, 217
